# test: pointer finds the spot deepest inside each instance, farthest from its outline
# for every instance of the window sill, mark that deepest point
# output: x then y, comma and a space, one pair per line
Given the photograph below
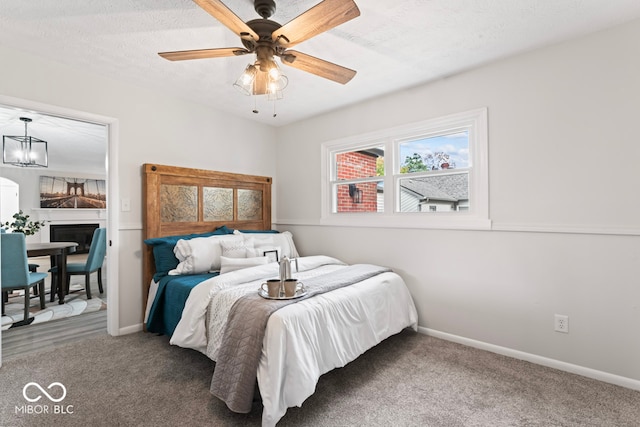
420, 221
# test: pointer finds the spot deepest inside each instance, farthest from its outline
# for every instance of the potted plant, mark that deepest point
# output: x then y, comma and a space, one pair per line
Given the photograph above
22, 224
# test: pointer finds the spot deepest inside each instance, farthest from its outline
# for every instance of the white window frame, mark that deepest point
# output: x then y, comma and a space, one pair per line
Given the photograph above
477, 217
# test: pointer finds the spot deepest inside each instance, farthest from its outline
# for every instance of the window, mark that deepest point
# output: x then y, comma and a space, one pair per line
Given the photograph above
434, 172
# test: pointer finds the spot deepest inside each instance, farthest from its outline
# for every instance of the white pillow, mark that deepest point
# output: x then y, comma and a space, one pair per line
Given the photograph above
237, 248
233, 264
282, 242
201, 254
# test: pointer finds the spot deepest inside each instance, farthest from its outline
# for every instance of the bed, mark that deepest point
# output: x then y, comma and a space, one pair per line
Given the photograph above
209, 246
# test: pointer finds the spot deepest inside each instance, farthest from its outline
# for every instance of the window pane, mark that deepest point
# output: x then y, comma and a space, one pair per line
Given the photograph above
436, 193
360, 197
435, 153
364, 163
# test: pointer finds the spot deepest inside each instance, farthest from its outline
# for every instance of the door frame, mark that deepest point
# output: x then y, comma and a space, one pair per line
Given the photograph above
112, 124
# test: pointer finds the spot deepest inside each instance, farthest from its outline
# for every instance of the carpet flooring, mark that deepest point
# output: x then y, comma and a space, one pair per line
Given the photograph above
408, 380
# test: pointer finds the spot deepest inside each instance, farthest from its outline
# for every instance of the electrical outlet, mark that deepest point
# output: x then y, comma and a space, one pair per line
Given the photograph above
561, 323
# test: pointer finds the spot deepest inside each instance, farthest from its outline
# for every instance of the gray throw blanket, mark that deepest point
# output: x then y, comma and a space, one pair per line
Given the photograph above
234, 376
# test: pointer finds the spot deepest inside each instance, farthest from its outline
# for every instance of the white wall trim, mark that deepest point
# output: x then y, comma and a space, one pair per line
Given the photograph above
130, 329
539, 360
113, 218
565, 229
131, 226
516, 228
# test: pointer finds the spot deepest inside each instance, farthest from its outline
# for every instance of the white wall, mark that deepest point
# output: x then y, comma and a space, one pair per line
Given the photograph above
152, 129
564, 201
29, 181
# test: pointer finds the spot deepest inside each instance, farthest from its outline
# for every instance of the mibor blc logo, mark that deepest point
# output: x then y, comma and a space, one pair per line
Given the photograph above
54, 392
43, 391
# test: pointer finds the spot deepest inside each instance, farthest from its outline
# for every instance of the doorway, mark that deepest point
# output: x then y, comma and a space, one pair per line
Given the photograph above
60, 119
9, 199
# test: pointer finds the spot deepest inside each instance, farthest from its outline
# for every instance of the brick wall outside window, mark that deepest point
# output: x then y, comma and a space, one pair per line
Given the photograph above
356, 165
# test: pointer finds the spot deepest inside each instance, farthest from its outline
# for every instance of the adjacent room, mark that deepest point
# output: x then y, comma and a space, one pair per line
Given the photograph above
58, 202
329, 212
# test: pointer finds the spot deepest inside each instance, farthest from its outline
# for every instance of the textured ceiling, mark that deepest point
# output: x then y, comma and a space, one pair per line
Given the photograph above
392, 45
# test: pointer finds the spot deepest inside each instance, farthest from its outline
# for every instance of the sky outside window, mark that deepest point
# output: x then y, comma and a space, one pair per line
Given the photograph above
456, 145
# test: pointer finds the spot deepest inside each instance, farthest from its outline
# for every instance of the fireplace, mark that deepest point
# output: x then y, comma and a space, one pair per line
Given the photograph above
79, 233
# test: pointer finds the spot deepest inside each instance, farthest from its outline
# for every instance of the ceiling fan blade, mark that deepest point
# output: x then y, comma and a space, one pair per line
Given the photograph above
182, 55
320, 18
317, 66
222, 13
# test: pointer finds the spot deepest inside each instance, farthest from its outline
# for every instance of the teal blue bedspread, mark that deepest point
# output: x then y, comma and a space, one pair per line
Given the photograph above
171, 297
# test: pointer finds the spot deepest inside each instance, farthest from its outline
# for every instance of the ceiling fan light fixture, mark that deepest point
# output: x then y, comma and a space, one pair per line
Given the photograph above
255, 81
245, 82
278, 84
274, 72
274, 95
267, 39
269, 66
25, 151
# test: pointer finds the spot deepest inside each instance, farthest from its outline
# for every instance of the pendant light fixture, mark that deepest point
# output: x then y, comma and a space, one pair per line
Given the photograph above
25, 151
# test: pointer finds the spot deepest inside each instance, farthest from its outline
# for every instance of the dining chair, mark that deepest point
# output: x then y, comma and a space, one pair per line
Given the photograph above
15, 272
32, 267
95, 259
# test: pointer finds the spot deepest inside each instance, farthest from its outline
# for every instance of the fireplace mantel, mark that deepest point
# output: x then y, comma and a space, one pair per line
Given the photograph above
68, 215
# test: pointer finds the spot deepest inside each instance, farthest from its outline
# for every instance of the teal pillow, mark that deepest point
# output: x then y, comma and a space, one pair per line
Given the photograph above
163, 255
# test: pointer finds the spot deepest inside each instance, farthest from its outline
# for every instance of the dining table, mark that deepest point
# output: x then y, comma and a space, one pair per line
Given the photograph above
57, 251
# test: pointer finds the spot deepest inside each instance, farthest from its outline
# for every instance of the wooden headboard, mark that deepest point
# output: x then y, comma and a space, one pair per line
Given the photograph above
180, 201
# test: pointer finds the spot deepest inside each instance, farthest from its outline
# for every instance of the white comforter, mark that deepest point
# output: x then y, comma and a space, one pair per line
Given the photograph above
302, 340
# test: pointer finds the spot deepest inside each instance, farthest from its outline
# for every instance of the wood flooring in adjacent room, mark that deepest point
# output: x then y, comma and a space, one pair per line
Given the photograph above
18, 342
49, 335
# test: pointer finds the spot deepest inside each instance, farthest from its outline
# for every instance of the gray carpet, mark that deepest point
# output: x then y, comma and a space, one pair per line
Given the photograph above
408, 380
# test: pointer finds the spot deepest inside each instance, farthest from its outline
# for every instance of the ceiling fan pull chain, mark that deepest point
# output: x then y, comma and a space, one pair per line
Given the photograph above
255, 104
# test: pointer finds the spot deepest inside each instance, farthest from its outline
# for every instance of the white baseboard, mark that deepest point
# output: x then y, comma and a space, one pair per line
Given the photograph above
130, 329
539, 360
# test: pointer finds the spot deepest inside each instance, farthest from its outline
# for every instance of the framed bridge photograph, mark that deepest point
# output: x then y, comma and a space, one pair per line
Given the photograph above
72, 193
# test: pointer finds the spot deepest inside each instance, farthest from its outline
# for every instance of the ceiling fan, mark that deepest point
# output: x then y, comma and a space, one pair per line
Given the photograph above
268, 38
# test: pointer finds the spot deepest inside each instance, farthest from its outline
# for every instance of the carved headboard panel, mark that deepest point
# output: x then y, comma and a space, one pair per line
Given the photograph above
180, 201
